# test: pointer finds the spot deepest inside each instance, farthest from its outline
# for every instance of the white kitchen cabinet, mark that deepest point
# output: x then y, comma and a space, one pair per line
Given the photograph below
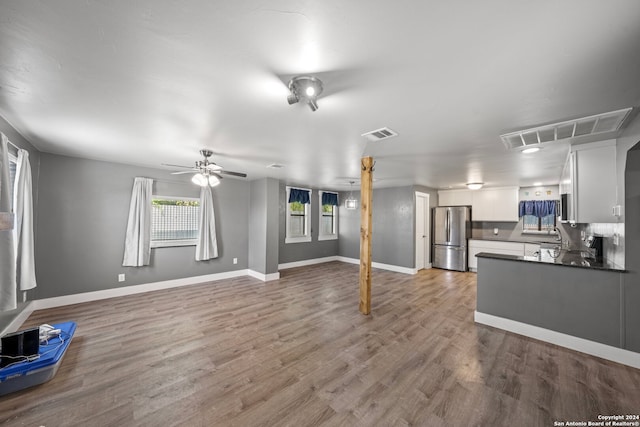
589, 181
494, 247
455, 198
495, 204
531, 249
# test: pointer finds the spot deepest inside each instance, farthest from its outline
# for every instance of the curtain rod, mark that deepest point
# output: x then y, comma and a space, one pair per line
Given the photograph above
14, 145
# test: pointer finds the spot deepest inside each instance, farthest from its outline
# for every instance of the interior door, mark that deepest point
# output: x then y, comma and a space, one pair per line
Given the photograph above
422, 231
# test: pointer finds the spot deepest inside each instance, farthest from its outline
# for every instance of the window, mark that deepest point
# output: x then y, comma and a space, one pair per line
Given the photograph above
13, 165
174, 221
328, 203
531, 223
298, 215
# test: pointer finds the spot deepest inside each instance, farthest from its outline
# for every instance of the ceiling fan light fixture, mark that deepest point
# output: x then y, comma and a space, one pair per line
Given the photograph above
475, 185
213, 180
199, 179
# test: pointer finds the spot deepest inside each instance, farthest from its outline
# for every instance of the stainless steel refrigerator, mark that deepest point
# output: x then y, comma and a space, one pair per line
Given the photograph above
451, 229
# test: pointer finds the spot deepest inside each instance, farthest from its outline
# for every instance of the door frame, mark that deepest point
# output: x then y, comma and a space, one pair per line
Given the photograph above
426, 217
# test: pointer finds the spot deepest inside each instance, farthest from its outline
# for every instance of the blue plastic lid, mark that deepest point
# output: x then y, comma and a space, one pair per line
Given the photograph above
50, 353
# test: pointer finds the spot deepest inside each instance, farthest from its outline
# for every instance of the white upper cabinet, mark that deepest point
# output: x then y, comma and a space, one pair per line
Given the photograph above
589, 179
495, 204
487, 204
455, 198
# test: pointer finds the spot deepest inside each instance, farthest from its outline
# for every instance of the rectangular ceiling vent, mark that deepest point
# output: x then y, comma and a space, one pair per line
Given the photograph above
592, 125
380, 134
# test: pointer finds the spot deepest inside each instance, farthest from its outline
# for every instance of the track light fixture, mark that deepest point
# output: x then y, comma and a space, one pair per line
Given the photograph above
306, 89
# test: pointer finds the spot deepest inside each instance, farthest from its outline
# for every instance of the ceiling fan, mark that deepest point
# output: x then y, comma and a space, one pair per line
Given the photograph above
206, 172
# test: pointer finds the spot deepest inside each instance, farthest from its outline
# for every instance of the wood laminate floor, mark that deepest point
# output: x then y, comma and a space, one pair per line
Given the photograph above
297, 352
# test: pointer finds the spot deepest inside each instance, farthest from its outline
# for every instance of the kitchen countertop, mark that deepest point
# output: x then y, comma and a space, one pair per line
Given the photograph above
533, 242
565, 258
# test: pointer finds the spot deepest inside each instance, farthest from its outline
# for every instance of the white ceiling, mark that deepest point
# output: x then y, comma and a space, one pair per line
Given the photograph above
150, 82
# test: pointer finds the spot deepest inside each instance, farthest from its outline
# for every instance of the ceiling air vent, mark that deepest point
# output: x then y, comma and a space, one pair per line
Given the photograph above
592, 125
380, 134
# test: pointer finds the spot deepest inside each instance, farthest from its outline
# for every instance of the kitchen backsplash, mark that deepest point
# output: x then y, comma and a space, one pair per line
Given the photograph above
506, 231
612, 252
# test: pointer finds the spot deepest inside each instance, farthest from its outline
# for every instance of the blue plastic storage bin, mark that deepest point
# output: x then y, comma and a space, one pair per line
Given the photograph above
28, 374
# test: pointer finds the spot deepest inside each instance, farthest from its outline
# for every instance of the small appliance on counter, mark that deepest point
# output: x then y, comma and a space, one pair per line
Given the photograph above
595, 244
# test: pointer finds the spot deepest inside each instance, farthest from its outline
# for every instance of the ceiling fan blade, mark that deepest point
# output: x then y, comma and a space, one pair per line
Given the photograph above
176, 166
183, 172
239, 174
213, 167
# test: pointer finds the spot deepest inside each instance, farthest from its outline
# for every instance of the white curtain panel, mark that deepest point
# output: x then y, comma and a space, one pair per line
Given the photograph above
207, 245
8, 291
23, 228
137, 244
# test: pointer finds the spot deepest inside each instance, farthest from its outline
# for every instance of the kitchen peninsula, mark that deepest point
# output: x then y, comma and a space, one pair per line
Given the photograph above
570, 301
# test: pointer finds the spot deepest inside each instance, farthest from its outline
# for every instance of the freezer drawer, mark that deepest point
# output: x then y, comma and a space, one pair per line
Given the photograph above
450, 257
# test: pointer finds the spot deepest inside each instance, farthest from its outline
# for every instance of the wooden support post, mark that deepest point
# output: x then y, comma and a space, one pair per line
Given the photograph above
366, 198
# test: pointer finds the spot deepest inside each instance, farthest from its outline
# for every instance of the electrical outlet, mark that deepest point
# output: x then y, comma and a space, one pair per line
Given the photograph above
617, 210
121, 277
495, 231
235, 260
616, 239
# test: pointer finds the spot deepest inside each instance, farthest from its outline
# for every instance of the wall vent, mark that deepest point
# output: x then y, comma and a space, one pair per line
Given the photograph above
380, 134
591, 125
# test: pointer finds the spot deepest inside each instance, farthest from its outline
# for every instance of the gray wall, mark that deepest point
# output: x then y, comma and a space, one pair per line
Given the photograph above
632, 278
393, 228
264, 225
82, 220
292, 252
7, 317
576, 301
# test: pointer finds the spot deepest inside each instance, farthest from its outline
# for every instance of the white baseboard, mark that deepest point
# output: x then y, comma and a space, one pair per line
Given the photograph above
16, 323
41, 304
262, 276
593, 348
306, 262
389, 267
131, 290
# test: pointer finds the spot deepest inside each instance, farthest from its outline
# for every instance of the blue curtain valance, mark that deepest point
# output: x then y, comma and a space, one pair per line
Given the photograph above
537, 208
329, 199
297, 195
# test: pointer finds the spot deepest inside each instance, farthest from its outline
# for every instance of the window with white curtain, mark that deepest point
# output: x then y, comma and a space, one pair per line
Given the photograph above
174, 221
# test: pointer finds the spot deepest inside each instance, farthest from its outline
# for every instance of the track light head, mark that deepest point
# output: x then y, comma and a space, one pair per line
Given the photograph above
292, 99
313, 105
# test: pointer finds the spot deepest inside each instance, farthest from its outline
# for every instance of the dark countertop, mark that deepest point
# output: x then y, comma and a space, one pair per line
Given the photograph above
565, 258
500, 239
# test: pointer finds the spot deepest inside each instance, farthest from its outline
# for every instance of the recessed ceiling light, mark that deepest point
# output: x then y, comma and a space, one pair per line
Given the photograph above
537, 184
530, 150
474, 185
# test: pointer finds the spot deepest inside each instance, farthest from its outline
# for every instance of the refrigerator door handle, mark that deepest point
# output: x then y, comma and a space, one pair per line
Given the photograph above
448, 225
